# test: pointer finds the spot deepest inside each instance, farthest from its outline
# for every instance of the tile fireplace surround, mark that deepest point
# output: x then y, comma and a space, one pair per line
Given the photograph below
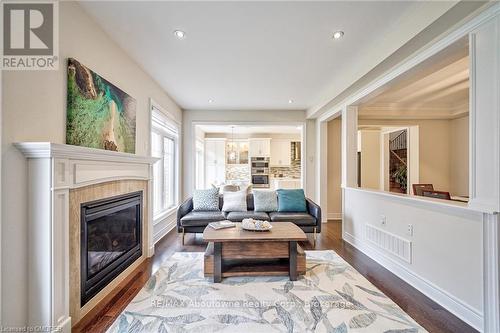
61, 177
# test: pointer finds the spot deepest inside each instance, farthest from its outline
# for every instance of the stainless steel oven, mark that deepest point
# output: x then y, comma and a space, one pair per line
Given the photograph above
260, 162
260, 165
260, 180
260, 171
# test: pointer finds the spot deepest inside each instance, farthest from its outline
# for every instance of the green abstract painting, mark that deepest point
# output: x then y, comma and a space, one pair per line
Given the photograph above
99, 115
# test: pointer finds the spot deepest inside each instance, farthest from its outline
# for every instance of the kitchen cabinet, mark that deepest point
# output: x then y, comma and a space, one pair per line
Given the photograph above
259, 147
237, 152
281, 153
285, 183
215, 161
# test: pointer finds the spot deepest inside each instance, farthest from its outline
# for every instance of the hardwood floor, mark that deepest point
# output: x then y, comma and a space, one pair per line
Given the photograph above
426, 312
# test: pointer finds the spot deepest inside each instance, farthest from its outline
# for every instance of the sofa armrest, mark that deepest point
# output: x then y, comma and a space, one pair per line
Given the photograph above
314, 210
184, 209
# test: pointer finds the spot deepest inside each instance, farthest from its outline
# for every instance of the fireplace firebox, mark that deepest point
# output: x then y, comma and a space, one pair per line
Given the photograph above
110, 240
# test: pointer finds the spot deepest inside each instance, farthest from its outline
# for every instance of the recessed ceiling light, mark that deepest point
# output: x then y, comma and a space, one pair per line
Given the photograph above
290, 101
338, 34
210, 101
179, 34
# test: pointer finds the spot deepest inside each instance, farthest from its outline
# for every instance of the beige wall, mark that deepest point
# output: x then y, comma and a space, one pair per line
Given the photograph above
443, 150
334, 193
370, 159
459, 156
434, 143
34, 109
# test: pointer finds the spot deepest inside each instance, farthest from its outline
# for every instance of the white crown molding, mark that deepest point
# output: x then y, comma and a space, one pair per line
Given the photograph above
397, 111
58, 150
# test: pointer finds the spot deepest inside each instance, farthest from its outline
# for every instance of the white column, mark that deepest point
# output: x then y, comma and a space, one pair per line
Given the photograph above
322, 167
491, 272
484, 48
349, 146
150, 220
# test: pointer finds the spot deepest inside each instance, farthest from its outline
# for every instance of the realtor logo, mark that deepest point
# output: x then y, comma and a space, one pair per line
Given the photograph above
29, 37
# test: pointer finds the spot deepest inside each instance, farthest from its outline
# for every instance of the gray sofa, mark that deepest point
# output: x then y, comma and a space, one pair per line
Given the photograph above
189, 221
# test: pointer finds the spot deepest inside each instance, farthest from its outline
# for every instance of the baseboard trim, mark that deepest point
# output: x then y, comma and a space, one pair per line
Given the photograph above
169, 225
65, 326
334, 216
456, 306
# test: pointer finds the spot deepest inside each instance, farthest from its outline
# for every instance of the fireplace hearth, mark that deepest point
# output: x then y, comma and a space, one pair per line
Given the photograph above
110, 240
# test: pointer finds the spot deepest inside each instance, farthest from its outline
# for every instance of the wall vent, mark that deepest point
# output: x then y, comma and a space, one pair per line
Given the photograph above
391, 243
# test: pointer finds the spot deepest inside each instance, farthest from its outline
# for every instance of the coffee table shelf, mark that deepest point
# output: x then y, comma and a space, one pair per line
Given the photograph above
238, 252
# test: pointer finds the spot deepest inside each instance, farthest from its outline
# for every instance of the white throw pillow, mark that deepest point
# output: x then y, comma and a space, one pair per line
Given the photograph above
206, 200
265, 201
235, 201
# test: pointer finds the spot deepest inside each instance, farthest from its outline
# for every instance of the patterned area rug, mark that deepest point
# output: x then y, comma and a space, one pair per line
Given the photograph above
331, 297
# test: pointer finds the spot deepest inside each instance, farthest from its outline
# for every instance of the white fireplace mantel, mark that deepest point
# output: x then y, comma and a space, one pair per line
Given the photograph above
59, 150
54, 169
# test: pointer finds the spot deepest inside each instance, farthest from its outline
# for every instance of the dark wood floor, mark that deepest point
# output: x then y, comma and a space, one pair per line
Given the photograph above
427, 313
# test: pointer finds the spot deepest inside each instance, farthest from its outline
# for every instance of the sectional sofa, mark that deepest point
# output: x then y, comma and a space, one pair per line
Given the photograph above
189, 221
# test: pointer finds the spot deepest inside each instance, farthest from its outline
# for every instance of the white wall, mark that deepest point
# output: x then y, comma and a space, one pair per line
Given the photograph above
191, 117
34, 109
447, 246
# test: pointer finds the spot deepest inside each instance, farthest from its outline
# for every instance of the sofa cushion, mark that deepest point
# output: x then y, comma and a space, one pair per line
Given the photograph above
298, 218
239, 216
198, 219
206, 200
230, 188
235, 201
291, 200
265, 200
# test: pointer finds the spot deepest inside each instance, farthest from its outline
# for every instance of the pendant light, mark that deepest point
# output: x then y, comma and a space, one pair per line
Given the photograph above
232, 153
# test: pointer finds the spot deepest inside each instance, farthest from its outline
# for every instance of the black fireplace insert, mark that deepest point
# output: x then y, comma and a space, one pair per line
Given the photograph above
110, 240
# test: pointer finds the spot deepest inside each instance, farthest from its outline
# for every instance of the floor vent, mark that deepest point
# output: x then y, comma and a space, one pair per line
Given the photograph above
391, 243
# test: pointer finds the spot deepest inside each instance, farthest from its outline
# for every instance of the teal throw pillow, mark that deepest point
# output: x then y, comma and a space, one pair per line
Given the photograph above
291, 200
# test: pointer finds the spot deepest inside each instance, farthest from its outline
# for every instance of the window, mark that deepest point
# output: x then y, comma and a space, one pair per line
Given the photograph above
164, 145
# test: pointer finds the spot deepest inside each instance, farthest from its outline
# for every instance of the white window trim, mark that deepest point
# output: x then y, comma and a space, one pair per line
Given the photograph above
153, 105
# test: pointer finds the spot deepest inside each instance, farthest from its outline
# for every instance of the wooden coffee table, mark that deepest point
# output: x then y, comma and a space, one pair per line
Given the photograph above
238, 252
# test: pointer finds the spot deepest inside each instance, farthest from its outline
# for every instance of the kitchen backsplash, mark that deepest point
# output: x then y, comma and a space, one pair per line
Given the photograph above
292, 171
242, 171
238, 172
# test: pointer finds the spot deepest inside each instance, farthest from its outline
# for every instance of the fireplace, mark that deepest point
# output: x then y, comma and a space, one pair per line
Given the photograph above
110, 240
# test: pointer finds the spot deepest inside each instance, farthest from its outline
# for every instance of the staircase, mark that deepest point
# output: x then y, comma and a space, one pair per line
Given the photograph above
398, 161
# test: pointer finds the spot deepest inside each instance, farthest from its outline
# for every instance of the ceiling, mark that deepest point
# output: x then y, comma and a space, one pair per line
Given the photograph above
249, 129
258, 55
438, 88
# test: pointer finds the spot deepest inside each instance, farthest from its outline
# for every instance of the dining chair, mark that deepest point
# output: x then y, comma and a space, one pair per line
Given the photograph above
437, 194
418, 189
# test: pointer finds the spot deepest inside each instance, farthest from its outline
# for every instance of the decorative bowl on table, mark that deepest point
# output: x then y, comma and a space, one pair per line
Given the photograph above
255, 225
